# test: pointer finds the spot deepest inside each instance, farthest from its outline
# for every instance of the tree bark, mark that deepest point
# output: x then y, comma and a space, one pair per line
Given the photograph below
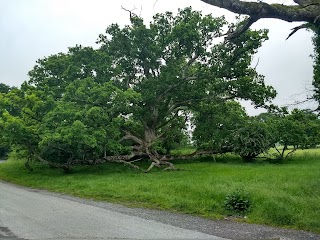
150, 136
305, 11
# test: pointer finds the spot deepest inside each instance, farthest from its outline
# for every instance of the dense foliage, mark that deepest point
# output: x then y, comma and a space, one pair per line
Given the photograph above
227, 128
133, 96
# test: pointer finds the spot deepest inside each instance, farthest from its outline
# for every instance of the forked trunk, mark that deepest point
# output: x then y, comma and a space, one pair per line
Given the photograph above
150, 136
156, 161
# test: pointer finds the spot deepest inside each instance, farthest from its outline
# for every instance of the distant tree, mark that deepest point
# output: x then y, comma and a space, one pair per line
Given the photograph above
298, 129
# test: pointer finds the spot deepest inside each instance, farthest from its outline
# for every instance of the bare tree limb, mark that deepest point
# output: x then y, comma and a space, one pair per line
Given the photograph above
295, 29
130, 136
294, 13
247, 24
130, 12
306, 11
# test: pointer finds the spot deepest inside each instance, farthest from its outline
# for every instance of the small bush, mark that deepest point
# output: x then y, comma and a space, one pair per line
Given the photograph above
238, 202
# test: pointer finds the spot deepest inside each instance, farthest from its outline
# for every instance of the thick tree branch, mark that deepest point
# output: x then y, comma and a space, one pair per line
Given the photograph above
306, 11
130, 136
306, 2
125, 159
260, 9
247, 24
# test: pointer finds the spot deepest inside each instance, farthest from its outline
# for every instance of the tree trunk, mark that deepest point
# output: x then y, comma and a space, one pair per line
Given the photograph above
156, 161
150, 136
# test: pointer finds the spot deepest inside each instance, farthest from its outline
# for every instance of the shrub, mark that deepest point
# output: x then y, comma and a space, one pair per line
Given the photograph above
251, 140
238, 201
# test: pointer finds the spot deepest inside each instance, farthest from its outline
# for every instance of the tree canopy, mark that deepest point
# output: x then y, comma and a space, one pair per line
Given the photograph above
131, 97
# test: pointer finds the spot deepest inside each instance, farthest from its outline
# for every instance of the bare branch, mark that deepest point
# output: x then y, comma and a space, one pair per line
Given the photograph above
242, 29
255, 67
263, 10
295, 29
124, 161
51, 164
130, 12
155, 4
306, 11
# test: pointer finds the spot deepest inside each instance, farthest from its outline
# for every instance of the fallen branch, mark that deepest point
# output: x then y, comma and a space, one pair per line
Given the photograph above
156, 159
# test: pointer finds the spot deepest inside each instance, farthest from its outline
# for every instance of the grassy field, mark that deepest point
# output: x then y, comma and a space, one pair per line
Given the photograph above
286, 194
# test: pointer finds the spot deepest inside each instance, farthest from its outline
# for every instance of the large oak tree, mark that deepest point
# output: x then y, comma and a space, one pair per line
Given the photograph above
129, 98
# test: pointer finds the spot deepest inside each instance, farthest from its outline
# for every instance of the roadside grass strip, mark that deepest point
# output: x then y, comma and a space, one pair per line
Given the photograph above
283, 194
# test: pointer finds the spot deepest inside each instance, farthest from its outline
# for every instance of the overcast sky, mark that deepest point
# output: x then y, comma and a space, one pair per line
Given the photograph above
33, 29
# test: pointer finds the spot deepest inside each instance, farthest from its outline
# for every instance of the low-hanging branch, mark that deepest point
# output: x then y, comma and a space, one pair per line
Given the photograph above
305, 11
128, 160
293, 13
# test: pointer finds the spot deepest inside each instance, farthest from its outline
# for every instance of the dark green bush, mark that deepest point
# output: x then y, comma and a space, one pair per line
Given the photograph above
238, 201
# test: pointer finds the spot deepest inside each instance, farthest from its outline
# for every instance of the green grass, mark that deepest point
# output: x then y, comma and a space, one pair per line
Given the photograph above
286, 194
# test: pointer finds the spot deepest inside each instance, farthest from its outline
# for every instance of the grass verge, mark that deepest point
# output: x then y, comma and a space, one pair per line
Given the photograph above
286, 194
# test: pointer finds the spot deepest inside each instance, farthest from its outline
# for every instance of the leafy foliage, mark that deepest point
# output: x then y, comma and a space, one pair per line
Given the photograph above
298, 129
132, 95
238, 201
252, 139
216, 124
225, 127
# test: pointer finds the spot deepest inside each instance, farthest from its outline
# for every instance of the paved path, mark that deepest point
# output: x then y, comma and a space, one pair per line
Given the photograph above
31, 215
35, 214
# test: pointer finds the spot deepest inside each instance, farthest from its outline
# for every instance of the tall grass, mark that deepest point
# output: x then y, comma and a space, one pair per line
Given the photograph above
286, 194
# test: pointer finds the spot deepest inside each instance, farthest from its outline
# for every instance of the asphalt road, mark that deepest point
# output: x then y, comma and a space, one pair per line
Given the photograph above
32, 215
36, 214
